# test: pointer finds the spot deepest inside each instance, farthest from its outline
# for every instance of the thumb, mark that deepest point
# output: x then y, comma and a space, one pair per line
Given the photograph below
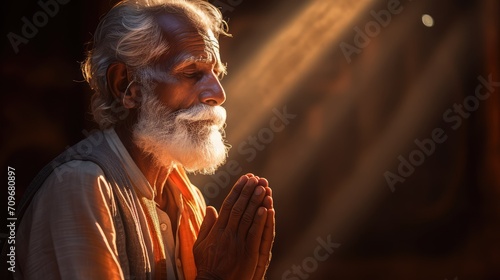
208, 223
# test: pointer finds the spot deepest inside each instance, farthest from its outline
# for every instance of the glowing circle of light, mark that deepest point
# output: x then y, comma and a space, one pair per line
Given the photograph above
427, 20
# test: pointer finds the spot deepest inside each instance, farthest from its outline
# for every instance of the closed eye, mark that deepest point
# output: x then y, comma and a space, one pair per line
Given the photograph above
192, 74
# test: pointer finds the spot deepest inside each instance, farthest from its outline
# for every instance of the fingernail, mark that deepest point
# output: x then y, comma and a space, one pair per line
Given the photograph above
261, 211
258, 190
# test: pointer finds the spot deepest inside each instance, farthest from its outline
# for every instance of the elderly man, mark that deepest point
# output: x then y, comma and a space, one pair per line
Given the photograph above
118, 205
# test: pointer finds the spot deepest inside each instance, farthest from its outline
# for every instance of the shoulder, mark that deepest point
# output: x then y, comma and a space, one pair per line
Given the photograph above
75, 179
75, 170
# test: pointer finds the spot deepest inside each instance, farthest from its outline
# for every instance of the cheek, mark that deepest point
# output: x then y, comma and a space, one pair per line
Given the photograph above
176, 95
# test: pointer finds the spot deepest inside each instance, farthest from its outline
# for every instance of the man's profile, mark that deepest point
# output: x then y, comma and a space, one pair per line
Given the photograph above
118, 205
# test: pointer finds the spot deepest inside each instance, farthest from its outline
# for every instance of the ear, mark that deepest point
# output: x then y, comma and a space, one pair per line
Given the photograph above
120, 85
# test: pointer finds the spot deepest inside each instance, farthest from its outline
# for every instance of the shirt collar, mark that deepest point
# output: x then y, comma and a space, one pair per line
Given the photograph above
135, 174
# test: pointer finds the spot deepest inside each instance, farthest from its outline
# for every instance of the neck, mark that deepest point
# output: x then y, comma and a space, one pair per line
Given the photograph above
155, 174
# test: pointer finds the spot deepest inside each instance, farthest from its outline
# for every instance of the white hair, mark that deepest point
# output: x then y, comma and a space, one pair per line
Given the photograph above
192, 137
129, 33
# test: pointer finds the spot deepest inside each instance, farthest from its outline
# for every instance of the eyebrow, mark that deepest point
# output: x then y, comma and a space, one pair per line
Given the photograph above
183, 63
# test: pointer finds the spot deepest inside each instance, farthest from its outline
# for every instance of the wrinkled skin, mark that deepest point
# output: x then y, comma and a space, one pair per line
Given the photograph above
237, 243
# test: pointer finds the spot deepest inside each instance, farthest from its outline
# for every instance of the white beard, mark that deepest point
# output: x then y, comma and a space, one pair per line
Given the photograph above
193, 137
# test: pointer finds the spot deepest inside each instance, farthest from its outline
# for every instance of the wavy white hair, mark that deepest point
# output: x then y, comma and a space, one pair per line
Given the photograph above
130, 33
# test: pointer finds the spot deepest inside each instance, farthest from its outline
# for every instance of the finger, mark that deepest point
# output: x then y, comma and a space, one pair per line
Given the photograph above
269, 191
266, 246
249, 214
268, 202
253, 240
208, 223
263, 182
241, 204
230, 200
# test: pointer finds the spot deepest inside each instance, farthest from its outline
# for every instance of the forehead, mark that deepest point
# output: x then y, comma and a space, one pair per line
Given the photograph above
187, 40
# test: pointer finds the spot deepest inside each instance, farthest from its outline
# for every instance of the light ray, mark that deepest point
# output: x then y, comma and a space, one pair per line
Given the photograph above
281, 63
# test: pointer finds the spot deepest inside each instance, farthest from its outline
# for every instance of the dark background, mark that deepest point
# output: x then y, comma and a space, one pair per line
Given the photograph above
355, 117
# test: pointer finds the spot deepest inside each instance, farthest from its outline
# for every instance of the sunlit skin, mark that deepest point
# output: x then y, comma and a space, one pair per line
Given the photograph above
193, 66
190, 72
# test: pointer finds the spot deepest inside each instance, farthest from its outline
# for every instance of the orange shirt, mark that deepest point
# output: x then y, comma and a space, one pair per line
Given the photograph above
192, 215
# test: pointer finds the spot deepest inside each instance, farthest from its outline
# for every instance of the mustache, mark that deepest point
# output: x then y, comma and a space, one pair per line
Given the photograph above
201, 113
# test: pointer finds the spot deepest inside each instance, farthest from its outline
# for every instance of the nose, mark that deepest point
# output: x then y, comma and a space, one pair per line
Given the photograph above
213, 93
